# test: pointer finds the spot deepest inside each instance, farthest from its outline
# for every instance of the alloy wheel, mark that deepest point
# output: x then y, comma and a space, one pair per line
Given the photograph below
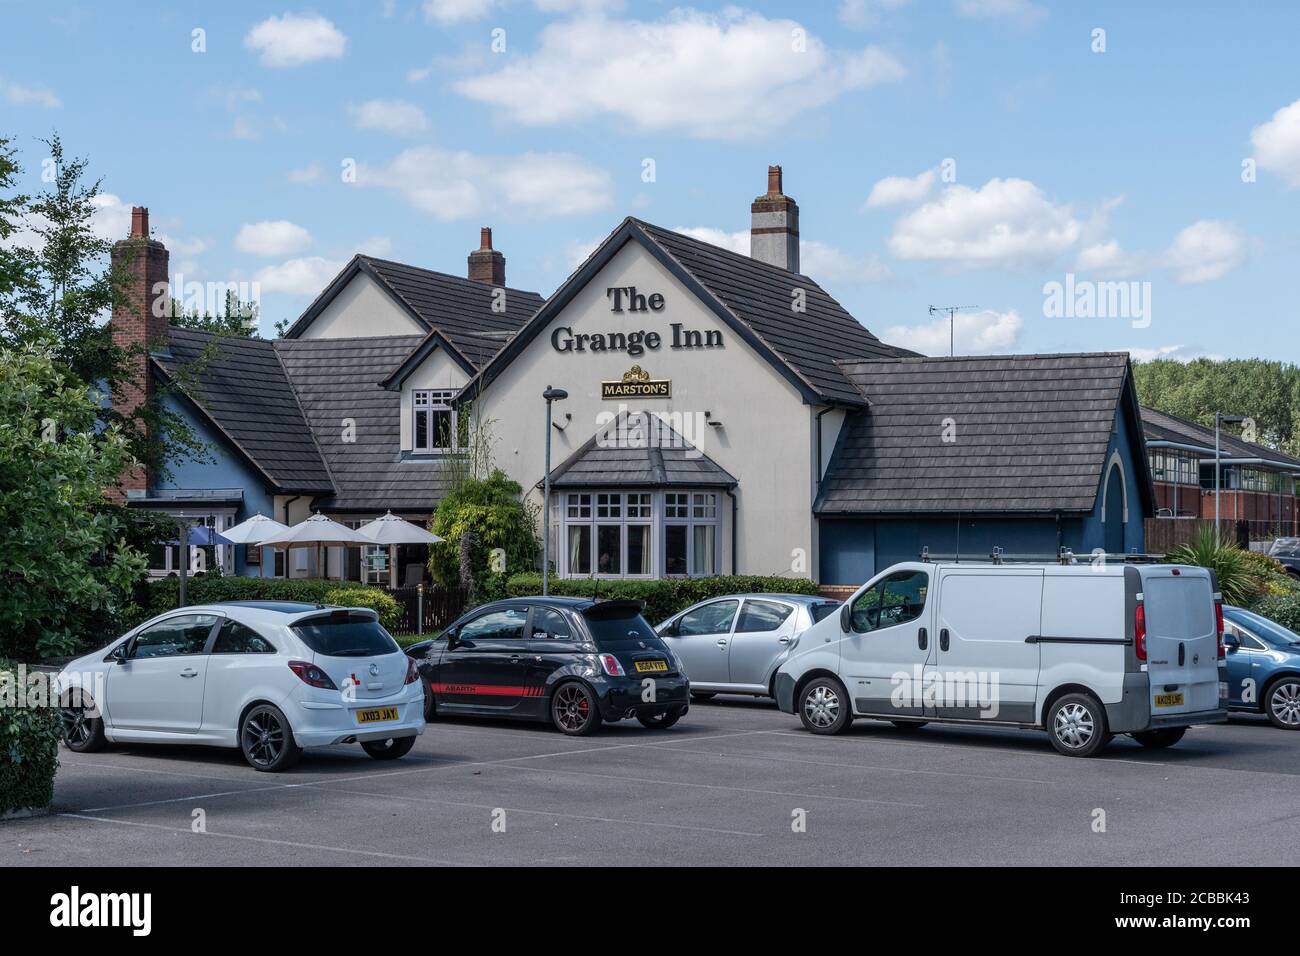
263, 738
1074, 726
1285, 703
572, 708
821, 706
76, 725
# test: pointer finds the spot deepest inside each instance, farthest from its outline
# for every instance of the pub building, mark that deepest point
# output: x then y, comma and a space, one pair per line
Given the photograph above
725, 414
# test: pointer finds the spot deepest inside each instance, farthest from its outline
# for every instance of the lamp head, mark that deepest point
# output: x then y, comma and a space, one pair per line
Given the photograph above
554, 394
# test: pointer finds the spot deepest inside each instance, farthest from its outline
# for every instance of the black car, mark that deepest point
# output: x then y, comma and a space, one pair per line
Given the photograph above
572, 661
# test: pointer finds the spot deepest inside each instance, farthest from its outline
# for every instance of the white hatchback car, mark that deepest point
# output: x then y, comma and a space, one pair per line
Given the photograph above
268, 677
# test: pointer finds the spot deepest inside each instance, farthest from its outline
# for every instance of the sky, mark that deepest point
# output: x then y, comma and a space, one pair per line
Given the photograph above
1079, 176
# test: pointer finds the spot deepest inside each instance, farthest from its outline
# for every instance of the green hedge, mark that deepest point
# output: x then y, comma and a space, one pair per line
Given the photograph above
663, 598
164, 592
1283, 608
381, 602
29, 748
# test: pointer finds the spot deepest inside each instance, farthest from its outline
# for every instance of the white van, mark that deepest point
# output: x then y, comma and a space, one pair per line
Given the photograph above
1084, 652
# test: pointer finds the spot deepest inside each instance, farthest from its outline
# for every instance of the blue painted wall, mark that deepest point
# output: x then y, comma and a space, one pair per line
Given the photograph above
227, 470
852, 550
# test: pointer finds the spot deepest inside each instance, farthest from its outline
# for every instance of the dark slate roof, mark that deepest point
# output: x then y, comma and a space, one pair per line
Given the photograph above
1031, 435
1160, 426
241, 387
458, 307
338, 379
638, 451
752, 297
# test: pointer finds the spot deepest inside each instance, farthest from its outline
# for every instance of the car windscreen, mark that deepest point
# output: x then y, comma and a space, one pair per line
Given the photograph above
620, 631
822, 611
1270, 631
345, 636
1287, 547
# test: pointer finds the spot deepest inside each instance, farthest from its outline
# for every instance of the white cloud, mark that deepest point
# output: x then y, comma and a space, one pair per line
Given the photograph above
577, 251
977, 333
456, 11
816, 259
1005, 222
1179, 353
295, 39
380, 246
313, 172
19, 94
1109, 260
277, 237
899, 190
735, 241
454, 185
389, 116
725, 76
305, 276
1206, 250
243, 129
1277, 143
862, 14
1020, 10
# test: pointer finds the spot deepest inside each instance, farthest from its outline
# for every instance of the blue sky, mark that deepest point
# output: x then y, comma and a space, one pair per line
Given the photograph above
942, 152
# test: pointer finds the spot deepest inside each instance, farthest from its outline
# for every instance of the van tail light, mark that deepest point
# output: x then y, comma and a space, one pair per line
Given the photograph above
311, 674
1140, 632
1218, 629
412, 672
611, 665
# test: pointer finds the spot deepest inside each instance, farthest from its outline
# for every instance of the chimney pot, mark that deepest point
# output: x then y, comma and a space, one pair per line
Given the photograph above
774, 180
139, 222
774, 225
485, 238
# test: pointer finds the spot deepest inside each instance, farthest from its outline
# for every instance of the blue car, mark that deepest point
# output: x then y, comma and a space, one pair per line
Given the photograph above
1263, 667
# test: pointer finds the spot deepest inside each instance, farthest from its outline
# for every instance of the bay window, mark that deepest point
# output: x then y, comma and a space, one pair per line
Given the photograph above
638, 534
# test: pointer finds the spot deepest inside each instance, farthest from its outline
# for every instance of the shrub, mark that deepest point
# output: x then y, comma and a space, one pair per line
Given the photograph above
1240, 577
663, 598
29, 749
1283, 608
164, 592
381, 602
491, 515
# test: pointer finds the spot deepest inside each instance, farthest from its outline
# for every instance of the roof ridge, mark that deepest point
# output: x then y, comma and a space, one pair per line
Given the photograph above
444, 275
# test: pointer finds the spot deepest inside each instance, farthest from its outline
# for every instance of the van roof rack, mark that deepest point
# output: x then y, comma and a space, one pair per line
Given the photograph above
1063, 556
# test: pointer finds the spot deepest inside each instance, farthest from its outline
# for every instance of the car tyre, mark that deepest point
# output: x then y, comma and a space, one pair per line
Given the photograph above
909, 724
82, 734
1282, 703
661, 719
266, 739
430, 707
1161, 738
574, 711
394, 748
1076, 725
824, 706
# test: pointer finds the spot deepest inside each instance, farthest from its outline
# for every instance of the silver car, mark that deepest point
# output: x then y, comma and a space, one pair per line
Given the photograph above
733, 644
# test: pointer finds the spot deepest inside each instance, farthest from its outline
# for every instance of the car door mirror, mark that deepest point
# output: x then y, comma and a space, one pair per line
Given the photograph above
452, 639
1231, 640
846, 619
119, 653
669, 629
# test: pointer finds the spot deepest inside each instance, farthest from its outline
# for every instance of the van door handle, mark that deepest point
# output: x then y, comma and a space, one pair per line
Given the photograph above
943, 639
922, 639
1182, 653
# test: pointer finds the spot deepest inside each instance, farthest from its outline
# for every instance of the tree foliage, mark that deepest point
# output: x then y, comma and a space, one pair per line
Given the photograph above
499, 529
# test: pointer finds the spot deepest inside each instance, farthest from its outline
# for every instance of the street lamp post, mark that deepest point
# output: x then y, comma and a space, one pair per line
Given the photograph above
551, 395
1219, 419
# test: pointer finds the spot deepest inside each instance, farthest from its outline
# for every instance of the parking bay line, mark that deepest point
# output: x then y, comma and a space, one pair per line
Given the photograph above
257, 839
546, 813
945, 743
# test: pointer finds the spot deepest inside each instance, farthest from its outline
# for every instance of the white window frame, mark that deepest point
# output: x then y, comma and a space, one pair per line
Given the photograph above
224, 555
592, 508
429, 400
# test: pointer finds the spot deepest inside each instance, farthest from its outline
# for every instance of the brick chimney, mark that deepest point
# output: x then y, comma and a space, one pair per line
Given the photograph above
138, 326
485, 263
774, 225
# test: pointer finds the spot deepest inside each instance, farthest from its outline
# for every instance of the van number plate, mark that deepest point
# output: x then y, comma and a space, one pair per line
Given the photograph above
1169, 700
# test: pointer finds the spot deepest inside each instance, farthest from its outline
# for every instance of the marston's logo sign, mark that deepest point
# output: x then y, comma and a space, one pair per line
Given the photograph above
637, 383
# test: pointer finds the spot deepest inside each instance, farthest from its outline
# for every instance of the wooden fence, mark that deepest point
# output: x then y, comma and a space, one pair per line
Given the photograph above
1165, 534
440, 607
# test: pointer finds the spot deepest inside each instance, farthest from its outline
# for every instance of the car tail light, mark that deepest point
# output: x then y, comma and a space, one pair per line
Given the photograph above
1218, 629
412, 672
611, 665
311, 674
1140, 632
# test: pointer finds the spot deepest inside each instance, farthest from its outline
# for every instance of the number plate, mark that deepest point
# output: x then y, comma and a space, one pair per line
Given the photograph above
1169, 700
376, 715
650, 667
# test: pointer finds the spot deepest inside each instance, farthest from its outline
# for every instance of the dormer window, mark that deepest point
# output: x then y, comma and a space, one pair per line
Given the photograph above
435, 420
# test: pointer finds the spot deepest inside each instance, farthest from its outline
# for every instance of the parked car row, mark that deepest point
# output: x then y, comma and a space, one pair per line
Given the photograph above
1083, 653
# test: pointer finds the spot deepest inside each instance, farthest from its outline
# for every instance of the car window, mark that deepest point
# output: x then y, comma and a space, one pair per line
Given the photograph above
549, 623
1248, 642
340, 634
823, 610
503, 625
763, 616
236, 638
897, 599
174, 637
712, 618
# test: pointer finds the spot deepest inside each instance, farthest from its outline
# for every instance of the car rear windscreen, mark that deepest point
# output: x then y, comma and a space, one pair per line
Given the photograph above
618, 631
339, 636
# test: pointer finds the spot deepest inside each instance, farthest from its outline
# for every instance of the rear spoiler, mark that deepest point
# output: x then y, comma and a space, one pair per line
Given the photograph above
616, 608
336, 615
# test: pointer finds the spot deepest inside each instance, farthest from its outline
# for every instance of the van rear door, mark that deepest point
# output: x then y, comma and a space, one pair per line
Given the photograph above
1182, 642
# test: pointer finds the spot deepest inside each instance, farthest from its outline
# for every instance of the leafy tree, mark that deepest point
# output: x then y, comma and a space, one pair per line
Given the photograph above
480, 516
238, 318
63, 561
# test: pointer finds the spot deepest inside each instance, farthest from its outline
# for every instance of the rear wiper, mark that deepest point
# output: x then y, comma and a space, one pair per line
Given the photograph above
351, 652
